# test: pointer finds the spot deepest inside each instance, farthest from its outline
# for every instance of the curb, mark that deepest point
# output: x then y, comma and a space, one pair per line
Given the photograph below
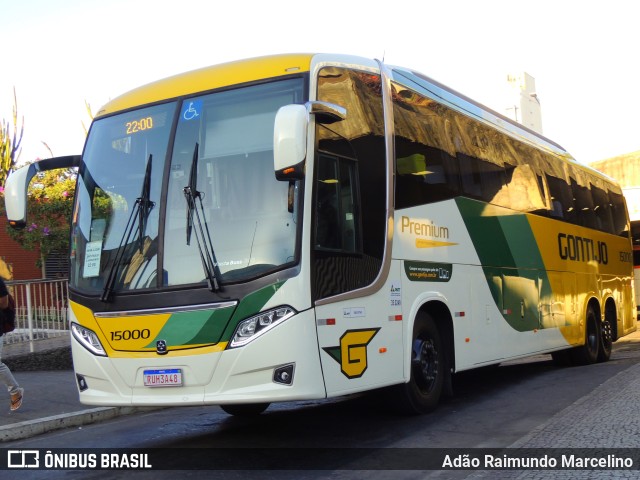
30, 428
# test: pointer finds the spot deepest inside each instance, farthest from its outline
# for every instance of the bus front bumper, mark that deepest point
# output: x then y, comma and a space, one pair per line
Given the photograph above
281, 365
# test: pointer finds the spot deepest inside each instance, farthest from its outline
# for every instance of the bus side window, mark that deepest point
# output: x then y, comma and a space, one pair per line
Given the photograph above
526, 191
350, 181
484, 180
583, 204
619, 213
336, 217
602, 209
561, 198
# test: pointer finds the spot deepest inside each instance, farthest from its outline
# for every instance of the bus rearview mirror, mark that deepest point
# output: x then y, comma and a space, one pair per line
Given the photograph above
16, 185
290, 141
290, 135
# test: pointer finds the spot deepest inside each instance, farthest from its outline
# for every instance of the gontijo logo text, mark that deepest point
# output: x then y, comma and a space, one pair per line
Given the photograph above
582, 249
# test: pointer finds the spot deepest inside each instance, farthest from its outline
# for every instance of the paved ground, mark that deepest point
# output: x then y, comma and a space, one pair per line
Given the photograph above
51, 397
606, 418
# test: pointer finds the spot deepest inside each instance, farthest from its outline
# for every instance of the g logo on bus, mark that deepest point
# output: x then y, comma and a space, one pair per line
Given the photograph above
352, 352
161, 347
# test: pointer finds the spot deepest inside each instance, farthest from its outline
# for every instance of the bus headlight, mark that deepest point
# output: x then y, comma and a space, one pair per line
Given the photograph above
88, 339
253, 327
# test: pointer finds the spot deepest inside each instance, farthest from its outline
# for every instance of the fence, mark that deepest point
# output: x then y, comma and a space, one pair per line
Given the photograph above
41, 310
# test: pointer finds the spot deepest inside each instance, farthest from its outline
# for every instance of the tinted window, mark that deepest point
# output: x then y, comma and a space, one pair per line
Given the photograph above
350, 184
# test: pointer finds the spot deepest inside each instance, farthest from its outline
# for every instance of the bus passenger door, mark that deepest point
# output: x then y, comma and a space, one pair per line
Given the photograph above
360, 335
361, 340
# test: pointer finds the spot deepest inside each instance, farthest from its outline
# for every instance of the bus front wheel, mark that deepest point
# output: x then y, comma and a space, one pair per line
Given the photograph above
422, 393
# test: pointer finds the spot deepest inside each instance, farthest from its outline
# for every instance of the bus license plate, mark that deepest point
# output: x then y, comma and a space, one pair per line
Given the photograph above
163, 378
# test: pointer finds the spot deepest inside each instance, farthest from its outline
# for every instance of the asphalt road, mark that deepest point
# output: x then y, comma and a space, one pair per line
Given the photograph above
492, 408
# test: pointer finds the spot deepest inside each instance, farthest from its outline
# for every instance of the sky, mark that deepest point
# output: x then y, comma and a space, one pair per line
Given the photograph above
583, 54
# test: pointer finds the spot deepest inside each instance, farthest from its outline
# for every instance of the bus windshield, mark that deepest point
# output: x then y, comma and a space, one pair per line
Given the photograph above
139, 213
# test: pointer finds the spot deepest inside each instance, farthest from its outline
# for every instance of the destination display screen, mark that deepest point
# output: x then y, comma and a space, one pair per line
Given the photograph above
143, 124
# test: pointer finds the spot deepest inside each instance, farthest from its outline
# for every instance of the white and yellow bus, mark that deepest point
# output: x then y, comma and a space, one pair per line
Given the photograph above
310, 226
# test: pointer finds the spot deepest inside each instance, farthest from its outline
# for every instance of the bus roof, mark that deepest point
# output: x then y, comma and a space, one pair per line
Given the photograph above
209, 78
253, 69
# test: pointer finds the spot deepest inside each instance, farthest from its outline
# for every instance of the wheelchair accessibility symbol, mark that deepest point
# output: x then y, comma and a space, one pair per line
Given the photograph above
191, 110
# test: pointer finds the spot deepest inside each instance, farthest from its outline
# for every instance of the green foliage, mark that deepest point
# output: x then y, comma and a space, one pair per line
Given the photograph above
10, 143
49, 205
51, 194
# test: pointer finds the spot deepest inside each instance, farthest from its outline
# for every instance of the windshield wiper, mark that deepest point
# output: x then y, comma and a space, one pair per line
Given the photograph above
203, 236
144, 203
139, 212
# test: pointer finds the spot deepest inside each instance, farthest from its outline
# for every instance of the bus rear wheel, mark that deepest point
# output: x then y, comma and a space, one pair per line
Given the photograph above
245, 409
608, 331
422, 393
606, 341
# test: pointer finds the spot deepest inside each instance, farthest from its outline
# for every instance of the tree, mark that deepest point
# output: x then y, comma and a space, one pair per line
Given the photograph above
50, 202
10, 142
50, 197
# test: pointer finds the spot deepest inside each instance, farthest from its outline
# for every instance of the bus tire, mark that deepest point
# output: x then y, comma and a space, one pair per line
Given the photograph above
606, 341
422, 393
245, 409
589, 352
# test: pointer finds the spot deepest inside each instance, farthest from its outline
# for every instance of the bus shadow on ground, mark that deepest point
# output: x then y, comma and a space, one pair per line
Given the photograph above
368, 419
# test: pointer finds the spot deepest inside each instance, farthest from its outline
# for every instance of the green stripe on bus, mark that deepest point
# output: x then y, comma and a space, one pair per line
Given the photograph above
194, 328
511, 260
206, 327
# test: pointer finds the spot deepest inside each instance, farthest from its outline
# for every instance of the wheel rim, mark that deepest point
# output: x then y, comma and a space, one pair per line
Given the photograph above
425, 364
607, 336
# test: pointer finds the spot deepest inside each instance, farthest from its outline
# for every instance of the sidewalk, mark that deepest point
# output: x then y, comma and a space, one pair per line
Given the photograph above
607, 418
51, 396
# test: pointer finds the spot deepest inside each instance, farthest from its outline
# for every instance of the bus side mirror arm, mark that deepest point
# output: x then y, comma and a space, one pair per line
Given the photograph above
290, 135
16, 186
326, 112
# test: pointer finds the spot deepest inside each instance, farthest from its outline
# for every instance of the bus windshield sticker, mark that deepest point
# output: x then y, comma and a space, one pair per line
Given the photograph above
92, 254
191, 110
395, 294
354, 312
428, 272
